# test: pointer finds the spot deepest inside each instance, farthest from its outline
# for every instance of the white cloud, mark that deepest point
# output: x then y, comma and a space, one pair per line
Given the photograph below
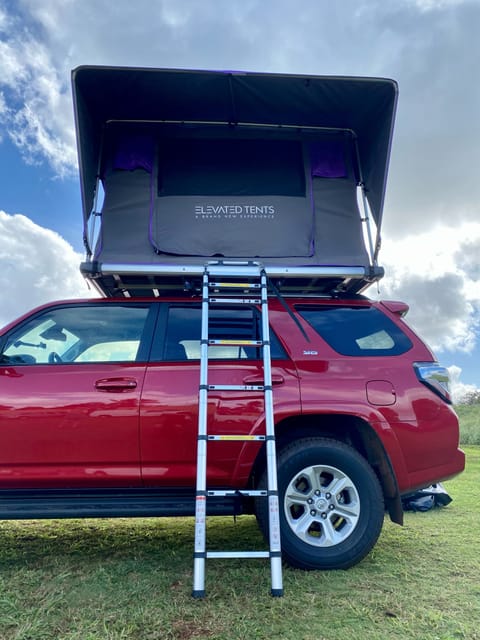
458, 389
441, 249
37, 111
36, 266
432, 5
432, 273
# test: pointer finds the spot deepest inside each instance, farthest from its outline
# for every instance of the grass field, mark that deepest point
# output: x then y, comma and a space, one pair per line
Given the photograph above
469, 423
131, 579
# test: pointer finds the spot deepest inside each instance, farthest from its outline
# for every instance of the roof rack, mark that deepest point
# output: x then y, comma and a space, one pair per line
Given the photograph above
157, 280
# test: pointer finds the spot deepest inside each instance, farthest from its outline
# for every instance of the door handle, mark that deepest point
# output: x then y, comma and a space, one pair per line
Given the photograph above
255, 379
116, 385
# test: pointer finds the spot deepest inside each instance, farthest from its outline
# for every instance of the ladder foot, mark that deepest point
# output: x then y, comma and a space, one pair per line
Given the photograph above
196, 593
277, 593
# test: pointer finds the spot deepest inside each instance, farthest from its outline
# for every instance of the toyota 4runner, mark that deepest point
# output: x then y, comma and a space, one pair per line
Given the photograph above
99, 406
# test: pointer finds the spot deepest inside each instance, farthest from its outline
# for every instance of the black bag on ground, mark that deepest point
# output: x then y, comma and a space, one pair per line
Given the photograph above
426, 499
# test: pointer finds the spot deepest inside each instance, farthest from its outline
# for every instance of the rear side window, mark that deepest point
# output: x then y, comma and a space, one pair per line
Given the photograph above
183, 331
357, 331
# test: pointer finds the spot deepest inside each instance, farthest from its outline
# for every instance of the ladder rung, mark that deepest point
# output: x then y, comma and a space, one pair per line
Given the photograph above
238, 554
236, 387
235, 285
225, 300
237, 438
223, 493
235, 343
234, 270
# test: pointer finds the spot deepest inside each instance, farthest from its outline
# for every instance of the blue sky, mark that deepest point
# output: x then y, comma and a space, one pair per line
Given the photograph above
431, 248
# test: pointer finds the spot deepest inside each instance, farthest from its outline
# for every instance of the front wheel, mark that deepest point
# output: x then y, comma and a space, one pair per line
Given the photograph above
330, 502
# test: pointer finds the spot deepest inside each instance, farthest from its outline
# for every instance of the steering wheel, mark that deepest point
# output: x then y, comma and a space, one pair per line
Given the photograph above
54, 358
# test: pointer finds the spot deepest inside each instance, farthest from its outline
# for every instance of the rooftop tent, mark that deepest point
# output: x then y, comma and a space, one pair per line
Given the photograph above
202, 164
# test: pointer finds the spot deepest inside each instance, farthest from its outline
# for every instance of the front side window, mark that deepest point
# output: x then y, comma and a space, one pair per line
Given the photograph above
76, 334
356, 331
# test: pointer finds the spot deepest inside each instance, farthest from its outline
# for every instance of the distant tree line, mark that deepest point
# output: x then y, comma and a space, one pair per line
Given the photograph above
471, 397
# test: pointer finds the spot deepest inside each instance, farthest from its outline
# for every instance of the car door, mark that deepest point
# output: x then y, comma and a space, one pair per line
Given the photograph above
169, 404
70, 384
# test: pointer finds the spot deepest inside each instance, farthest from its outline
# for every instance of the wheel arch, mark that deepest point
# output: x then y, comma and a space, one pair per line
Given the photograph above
351, 430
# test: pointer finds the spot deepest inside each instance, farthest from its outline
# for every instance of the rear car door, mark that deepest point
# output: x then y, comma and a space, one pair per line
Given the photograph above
169, 405
70, 384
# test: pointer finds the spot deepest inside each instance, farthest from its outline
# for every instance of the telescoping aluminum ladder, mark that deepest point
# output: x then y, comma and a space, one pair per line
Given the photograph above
239, 280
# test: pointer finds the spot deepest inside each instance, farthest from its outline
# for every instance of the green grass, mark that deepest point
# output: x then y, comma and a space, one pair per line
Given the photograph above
131, 579
469, 423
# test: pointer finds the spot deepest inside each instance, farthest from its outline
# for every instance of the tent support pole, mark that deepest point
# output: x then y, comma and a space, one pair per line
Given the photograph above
366, 220
367, 223
93, 217
94, 212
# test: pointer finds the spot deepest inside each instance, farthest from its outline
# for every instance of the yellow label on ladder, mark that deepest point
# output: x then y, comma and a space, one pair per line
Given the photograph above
234, 285
236, 343
239, 438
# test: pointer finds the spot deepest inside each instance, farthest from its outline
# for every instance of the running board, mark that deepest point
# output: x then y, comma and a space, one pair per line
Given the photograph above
114, 503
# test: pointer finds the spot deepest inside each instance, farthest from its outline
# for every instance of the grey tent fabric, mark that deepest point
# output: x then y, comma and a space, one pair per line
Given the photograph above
126, 210
233, 194
264, 226
338, 231
312, 218
365, 106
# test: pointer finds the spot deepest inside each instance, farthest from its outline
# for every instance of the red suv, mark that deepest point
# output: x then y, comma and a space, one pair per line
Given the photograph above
99, 406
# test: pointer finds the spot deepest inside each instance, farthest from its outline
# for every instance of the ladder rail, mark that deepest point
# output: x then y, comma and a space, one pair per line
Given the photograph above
236, 271
272, 484
201, 477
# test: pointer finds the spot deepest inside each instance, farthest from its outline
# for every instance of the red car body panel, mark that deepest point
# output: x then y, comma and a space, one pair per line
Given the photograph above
135, 424
418, 430
59, 427
169, 414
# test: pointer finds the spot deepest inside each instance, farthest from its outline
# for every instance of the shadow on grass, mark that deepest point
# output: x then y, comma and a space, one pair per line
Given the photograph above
120, 539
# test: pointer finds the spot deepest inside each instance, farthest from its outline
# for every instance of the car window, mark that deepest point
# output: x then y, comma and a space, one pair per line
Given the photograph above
183, 332
356, 331
78, 334
115, 351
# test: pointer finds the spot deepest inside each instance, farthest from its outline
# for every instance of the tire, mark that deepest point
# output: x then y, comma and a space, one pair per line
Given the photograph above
330, 503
